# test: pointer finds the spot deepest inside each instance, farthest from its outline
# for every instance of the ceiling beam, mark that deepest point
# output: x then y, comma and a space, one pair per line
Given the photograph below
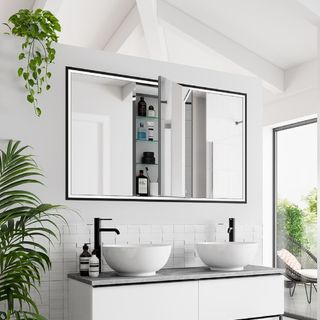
271, 75
124, 30
51, 5
153, 32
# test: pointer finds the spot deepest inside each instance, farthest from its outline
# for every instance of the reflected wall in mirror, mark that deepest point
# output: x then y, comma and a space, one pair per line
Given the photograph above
130, 138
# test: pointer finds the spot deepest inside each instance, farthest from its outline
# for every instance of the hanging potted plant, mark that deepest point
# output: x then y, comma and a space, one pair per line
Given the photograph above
39, 30
24, 223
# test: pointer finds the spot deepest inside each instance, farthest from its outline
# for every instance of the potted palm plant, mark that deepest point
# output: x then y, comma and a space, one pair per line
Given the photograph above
24, 222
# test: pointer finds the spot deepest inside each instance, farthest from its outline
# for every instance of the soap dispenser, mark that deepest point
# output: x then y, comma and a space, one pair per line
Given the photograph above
94, 265
84, 260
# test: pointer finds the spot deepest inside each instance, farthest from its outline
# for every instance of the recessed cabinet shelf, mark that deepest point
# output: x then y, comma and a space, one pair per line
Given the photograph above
146, 164
152, 141
146, 118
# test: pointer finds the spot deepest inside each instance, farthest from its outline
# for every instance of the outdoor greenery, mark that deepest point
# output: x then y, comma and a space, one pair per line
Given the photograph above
311, 211
25, 225
39, 30
290, 217
295, 220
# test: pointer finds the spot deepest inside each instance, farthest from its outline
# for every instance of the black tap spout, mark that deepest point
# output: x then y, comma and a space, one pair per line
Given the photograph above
231, 230
110, 230
97, 237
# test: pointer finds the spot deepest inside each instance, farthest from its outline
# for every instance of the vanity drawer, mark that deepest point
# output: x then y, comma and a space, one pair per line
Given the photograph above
160, 301
241, 298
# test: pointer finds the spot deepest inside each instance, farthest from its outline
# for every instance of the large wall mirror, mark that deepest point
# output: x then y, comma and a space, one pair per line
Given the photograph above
131, 138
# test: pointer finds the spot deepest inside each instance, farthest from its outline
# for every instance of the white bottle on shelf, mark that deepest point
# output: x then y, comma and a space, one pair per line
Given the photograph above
94, 266
150, 130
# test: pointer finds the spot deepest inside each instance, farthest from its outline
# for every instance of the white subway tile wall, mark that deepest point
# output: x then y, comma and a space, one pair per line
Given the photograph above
53, 299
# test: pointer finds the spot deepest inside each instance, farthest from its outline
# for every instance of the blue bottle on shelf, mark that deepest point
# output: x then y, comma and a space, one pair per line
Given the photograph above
142, 134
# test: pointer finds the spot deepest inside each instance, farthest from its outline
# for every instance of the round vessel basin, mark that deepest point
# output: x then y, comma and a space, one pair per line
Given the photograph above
227, 256
136, 260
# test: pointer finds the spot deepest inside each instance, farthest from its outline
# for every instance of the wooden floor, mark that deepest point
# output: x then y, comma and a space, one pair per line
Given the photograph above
298, 304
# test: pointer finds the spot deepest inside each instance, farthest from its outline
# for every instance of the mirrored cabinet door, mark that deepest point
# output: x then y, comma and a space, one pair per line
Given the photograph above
133, 138
172, 138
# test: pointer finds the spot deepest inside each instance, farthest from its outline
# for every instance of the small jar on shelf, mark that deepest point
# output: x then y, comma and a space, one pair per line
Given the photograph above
151, 112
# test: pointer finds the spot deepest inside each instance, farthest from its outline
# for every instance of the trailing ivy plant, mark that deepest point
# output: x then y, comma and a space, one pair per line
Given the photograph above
39, 30
25, 224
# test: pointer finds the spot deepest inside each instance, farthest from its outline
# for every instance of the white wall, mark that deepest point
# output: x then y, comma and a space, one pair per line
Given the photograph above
288, 109
47, 136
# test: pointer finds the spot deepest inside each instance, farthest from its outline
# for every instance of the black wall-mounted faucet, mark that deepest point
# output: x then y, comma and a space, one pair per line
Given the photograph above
231, 230
97, 236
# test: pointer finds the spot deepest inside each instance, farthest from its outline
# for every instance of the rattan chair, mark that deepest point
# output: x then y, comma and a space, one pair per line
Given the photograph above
307, 274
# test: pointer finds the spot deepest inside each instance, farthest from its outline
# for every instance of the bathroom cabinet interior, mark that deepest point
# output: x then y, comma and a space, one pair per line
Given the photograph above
147, 143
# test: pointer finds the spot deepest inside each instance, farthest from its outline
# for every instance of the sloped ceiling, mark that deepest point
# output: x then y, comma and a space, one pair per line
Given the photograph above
262, 38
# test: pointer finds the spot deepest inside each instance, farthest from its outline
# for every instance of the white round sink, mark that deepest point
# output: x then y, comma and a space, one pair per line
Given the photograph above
136, 260
227, 256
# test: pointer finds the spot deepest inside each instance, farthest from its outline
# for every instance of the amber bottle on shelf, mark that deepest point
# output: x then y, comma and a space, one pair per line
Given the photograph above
142, 184
142, 107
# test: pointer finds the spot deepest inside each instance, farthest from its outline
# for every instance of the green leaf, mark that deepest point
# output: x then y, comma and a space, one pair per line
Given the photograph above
57, 27
20, 71
31, 82
49, 75
48, 87
21, 56
38, 111
30, 98
32, 65
26, 76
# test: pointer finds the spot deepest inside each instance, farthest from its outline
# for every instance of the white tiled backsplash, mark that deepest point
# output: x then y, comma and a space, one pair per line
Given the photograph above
65, 255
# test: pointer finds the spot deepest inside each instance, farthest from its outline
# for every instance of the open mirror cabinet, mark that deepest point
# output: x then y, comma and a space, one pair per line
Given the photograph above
131, 138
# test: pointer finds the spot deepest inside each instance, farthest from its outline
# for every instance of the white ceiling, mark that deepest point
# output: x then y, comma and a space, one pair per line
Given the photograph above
269, 28
91, 23
262, 38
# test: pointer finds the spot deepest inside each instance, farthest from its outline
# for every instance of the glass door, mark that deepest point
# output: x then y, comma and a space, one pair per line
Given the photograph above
295, 215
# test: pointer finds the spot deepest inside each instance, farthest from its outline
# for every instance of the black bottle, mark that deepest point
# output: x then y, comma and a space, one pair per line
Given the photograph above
84, 261
142, 184
142, 107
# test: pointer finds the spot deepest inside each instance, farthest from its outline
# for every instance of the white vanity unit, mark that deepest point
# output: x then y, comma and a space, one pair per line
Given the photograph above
188, 294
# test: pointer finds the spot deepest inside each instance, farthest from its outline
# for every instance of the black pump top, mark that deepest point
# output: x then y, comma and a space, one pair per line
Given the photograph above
85, 247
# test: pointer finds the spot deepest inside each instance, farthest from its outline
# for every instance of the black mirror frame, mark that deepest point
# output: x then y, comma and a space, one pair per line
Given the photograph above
68, 196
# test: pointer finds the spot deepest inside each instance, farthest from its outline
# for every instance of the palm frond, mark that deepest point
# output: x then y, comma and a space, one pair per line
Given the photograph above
25, 224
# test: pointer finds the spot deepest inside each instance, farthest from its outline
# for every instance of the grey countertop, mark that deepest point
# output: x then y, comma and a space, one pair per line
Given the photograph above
173, 274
